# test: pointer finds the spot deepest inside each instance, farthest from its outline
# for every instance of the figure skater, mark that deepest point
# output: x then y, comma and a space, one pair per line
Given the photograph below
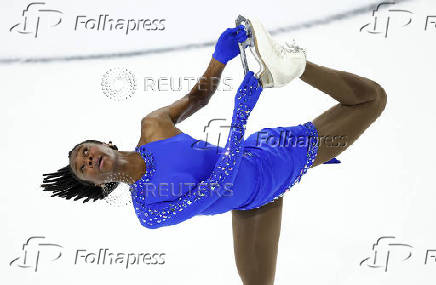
174, 177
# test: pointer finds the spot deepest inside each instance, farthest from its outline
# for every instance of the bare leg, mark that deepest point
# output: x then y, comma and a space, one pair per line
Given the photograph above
361, 101
256, 235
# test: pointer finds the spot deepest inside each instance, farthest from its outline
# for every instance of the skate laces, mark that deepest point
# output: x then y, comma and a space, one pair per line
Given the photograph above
288, 47
294, 48
279, 49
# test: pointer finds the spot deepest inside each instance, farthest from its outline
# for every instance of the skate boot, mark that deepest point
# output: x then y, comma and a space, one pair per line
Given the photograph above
280, 64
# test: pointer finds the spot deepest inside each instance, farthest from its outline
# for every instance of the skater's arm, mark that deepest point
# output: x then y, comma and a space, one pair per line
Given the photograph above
166, 213
347, 88
226, 49
194, 100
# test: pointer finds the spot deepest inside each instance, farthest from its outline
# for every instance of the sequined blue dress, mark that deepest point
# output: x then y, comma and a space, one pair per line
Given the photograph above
187, 177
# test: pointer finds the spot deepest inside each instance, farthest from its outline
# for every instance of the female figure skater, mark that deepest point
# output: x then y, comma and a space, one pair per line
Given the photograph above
174, 177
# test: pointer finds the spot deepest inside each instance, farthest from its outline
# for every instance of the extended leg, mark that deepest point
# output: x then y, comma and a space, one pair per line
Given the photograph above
361, 103
256, 235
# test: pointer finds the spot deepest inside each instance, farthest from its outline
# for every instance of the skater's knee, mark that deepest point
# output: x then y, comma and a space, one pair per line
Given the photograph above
375, 107
381, 99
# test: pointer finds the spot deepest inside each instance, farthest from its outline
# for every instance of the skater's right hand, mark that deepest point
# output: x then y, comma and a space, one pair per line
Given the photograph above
227, 46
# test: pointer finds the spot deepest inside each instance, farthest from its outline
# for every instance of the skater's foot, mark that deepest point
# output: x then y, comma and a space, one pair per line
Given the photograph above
280, 64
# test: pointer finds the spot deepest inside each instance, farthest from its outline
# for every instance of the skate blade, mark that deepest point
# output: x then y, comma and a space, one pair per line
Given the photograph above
263, 75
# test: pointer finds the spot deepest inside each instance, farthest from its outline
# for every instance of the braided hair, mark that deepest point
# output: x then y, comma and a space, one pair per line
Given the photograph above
64, 183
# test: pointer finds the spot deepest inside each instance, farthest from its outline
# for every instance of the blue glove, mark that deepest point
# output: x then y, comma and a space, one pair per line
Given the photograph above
227, 46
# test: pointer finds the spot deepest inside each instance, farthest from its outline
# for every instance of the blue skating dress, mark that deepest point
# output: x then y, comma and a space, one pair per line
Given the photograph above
187, 177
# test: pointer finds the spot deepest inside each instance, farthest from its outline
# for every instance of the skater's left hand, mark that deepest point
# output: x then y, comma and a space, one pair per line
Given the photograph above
227, 46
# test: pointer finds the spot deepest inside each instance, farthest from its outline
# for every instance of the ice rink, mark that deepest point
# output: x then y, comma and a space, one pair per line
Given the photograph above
384, 187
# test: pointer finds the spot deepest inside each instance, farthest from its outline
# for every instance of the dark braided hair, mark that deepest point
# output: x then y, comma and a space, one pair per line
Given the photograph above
64, 183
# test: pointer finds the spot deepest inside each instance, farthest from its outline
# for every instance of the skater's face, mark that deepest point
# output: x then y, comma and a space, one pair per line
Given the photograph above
93, 162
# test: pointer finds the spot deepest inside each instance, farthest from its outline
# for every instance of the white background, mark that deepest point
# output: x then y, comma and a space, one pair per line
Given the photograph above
384, 187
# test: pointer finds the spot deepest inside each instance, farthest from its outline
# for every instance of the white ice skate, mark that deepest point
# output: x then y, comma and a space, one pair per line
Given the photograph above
280, 64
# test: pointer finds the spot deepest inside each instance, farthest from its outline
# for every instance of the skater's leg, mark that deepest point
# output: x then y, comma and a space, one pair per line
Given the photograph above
361, 101
256, 235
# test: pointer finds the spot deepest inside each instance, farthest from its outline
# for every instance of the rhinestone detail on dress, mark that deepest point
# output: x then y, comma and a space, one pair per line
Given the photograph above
150, 168
155, 215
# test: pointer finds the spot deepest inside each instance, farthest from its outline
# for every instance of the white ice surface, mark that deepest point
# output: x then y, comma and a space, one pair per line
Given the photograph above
384, 186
